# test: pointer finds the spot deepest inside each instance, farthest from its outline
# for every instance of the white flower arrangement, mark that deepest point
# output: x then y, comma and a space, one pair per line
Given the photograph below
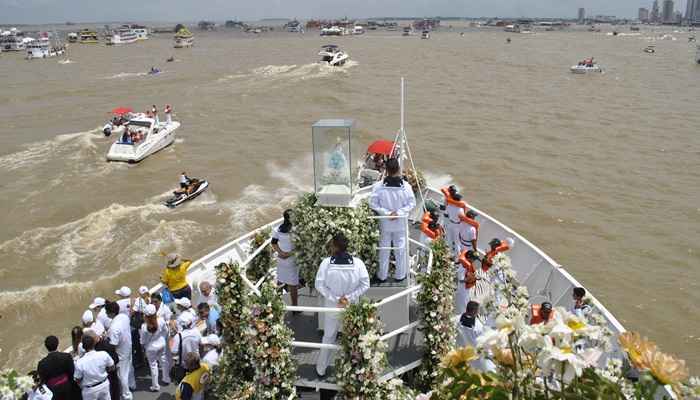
13, 385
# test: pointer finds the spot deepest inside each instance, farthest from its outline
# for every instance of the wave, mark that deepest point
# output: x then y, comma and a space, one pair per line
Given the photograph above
40, 152
293, 72
123, 75
66, 62
437, 180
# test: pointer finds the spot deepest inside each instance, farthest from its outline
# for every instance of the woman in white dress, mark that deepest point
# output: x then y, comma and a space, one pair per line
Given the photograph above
287, 270
153, 334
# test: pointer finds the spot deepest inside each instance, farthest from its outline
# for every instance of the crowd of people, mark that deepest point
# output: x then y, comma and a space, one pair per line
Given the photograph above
175, 333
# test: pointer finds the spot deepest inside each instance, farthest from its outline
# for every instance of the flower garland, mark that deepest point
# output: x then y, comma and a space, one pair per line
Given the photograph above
270, 341
437, 308
362, 358
235, 368
13, 386
314, 226
260, 265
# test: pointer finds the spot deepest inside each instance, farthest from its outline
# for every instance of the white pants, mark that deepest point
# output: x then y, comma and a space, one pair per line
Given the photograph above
125, 371
99, 392
155, 357
399, 240
331, 320
452, 237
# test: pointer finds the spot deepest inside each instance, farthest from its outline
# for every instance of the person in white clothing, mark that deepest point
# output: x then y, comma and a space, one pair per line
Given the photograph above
211, 346
119, 335
454, 206
153, 337
91, 371
341, 279
168, 111
207, 294
183, 305
124, 301
90, 323
184, 180
142, 301
392, 197
39, 391
287, 270
469, 329
467, 234
189, 336
98, 307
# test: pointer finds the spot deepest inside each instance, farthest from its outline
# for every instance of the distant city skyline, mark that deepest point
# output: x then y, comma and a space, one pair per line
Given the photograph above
58, 11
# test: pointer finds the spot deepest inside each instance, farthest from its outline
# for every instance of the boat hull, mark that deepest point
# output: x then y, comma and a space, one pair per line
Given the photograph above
578, 69
131, 153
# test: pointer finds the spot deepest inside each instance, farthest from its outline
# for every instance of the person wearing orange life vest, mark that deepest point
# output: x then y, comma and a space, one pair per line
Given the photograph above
466, 279
454, 207
496, 247
430, 227
541, 313
468, 231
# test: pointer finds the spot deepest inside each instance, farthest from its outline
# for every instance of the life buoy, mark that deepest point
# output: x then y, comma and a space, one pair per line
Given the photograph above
469, 270
449, 200
488, 259
536, 315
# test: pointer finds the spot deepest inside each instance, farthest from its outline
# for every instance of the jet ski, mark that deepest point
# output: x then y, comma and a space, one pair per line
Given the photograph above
180, 197
154, 71
171, 59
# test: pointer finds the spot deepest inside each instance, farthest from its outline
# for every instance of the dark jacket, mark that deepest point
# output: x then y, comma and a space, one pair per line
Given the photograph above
58, 366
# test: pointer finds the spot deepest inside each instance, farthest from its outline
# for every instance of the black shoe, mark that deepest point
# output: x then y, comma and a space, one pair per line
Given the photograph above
376, 281
399, 280
296, 312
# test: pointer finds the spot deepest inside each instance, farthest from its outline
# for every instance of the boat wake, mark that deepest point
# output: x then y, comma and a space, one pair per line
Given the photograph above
124, 75
40, 152
123, 236
66, 62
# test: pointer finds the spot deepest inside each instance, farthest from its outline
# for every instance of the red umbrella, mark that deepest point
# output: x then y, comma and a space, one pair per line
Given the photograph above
121, 110
381, 147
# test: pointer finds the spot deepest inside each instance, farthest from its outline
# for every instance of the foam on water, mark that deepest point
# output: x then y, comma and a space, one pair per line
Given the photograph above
40, 152
437, 180
123, 75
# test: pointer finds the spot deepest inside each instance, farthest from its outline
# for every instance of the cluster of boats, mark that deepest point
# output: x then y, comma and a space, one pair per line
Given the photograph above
342, 31
125, 34
47, 45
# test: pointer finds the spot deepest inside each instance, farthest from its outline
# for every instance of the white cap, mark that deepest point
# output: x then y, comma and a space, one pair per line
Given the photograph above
123, 292
185, 320
87, 317
97, 329
183, 302
143, 290
211, 340
98, 302
150, 310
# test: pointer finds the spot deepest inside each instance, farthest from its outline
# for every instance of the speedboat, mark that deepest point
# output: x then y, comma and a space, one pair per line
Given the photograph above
154, 71
184, 38
181, 196
333, 56
142, 137
372, 168
586, 66
170, 59
332, 31
358, 30
425, 35
650, 49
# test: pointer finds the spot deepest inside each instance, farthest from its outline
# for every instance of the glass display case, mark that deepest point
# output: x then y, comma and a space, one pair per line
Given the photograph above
333, 180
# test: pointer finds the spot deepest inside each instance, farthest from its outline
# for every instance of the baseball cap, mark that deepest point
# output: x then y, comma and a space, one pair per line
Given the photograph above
87, 317
211, 340
123, 292
143, 290
98, 302
185, 320
183, 302
173, 260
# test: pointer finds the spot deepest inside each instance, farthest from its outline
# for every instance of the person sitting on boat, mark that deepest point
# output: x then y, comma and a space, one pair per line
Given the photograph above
469, 329
393, 197
341, 279
581, 307
287, 270
184, 180
541, 313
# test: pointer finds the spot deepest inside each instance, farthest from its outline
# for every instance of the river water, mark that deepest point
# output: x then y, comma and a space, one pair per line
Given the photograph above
600, 171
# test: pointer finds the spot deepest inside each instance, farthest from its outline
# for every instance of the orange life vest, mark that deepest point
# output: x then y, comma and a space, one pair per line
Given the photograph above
426, 218
469, 271
451, 201
537, 318
425, 227
488, 260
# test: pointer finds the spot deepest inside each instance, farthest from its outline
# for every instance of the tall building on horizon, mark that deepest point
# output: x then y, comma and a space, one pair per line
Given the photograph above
667, 14
692, 12
655, 12
643, 15
581, 15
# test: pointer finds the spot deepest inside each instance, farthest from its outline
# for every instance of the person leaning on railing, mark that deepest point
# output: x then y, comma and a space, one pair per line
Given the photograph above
175, 276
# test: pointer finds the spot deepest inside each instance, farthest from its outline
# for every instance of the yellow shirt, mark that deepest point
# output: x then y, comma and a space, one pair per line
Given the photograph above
197, 381
176, 278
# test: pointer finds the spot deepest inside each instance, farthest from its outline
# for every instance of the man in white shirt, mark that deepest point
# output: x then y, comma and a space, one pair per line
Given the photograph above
392, 197
210, 345
124, 301
469, 329
207, 294
467, 233
119, 335
189, 335
142, 301
98, 307
91, 371
341, 279
162, 311
183, 305
90, 323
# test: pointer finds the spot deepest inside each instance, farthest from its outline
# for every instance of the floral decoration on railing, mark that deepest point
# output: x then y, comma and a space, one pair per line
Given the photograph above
436, 300
260, 265
314, 226
13, 385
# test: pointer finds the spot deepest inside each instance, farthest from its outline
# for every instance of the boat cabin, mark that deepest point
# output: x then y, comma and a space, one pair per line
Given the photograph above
137, 131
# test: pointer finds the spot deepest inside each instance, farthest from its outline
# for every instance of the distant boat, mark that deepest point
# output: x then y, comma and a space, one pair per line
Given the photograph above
650, 49
697, 54
333, 56
425, 35
184, 38
44, 48
73, 37
12, 40
586, 66
123, 35
88, 37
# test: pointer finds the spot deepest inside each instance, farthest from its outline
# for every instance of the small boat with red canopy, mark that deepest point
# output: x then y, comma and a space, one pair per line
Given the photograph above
372, 169
120, 116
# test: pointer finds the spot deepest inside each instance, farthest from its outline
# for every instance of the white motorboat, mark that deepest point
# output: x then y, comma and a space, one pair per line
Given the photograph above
333, 56
425, 35
117, 125
44, 48
512, 28
12, 40
181, 196
141, 32
586, 66
184, 38
73, 37
358, 30
651, 49
142, 137
123, 35
407, 31
332, 31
